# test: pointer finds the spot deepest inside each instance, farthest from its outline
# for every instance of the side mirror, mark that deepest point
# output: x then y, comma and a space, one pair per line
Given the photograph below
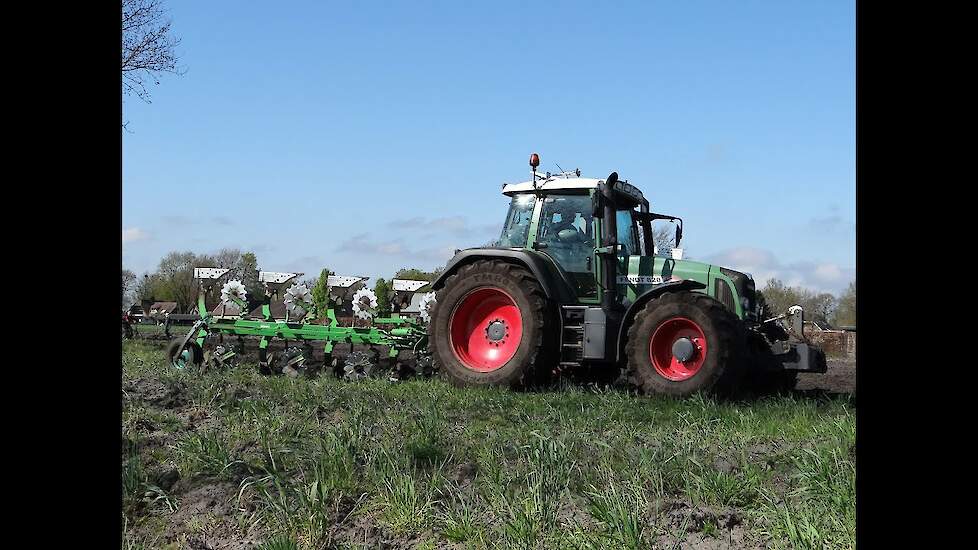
679, 234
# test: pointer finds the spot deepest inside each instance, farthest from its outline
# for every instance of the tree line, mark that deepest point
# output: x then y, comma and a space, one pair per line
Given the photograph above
824, 308
173, 279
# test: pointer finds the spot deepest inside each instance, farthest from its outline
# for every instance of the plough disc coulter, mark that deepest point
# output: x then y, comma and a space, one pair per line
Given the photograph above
297, 329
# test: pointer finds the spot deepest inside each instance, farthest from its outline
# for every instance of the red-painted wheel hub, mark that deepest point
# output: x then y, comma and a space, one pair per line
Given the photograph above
485, 329
678, 349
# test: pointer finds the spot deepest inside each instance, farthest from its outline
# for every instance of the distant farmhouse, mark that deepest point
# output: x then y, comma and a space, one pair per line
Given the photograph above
835, 342
159, 309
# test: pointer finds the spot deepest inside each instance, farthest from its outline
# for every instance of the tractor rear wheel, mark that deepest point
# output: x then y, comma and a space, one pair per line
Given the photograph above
488, 326
685, 342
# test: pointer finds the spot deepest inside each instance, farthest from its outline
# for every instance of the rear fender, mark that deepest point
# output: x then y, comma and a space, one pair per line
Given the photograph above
640, 301
553, 283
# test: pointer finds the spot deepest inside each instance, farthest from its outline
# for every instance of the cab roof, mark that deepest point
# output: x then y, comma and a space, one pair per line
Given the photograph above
562, 182
555, 183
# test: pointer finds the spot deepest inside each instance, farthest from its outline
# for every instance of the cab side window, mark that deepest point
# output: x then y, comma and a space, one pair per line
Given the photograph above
627, 233
567, 230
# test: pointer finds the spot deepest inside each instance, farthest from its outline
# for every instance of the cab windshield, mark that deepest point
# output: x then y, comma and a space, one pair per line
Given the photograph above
517, 226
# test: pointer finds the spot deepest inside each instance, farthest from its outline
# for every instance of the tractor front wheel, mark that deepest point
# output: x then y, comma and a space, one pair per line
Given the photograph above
685, 342
487, 326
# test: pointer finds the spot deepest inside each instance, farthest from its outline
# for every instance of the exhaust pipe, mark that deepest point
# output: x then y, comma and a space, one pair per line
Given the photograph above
609, 300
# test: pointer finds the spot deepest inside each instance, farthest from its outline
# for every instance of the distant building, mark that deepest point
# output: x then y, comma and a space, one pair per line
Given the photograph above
837, 343
158, 309
814, 325
157, 312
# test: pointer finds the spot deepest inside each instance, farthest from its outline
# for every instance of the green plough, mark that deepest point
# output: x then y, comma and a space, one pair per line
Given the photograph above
302, 328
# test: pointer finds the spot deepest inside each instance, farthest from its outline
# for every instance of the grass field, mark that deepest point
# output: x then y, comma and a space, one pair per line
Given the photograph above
235, 459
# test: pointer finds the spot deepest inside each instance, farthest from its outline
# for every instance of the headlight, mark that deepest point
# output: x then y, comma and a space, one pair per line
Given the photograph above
744, 303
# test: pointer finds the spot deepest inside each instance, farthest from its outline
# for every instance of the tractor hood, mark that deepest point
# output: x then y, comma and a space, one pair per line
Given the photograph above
643, 273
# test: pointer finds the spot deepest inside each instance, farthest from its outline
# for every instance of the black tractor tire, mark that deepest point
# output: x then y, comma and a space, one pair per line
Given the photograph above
531, 362
719, 370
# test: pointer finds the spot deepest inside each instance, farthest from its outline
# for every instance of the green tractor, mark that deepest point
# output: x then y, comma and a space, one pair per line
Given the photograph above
575, 283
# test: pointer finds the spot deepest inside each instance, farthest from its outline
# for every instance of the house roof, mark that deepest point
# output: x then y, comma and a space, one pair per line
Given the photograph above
160, 307
226, 308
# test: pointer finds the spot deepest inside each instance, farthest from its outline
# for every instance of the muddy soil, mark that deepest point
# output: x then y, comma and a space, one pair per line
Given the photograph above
839, 379
204, 512
686, 527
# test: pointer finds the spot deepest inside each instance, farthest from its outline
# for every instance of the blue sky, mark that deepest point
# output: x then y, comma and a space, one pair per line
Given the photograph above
373, 136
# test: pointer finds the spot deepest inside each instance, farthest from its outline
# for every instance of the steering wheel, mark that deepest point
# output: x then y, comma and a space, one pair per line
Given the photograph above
570, 234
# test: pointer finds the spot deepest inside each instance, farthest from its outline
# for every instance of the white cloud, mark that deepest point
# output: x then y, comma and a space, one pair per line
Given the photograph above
456, 226
362, 243
764, 266
390, 248
829, 273
133, 234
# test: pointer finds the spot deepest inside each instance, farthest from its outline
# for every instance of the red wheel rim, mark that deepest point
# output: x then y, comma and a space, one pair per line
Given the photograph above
660, 349
485, 329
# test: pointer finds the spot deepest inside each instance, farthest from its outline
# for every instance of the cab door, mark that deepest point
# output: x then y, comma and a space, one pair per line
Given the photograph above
566, 234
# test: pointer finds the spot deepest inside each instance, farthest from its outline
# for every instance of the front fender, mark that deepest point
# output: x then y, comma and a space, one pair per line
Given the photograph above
687, 285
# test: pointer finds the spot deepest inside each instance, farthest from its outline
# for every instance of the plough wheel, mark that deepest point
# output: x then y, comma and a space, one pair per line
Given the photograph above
181, 356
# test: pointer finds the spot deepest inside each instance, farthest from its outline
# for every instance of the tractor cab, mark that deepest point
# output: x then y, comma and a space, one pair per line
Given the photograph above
563, 216
556, 219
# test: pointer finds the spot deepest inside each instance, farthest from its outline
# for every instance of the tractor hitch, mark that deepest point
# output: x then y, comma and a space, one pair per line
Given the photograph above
789, 346
801, 357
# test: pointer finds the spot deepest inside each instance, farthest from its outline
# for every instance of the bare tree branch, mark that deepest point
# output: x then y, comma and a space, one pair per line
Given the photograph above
147, 46
664, 239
